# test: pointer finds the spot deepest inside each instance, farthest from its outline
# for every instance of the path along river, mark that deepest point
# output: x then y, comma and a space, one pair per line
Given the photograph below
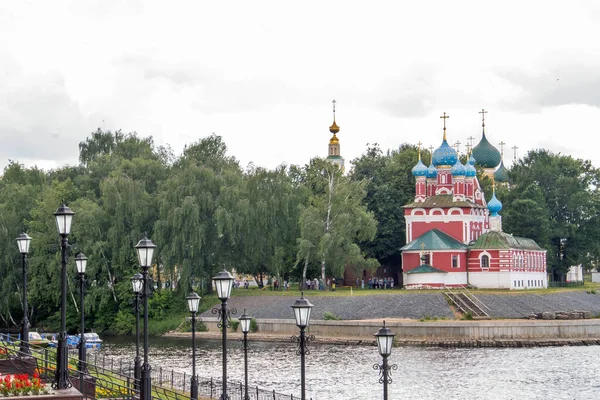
346, 372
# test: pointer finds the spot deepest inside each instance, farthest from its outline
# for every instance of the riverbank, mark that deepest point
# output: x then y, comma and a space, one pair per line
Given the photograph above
423, 342
460, 334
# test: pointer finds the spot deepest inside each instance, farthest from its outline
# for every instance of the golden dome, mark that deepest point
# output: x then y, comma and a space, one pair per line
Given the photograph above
334, 139
334, 129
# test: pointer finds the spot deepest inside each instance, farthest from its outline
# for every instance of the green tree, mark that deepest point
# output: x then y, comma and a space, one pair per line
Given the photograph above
271, 211
568, 188
200, 219
389, 185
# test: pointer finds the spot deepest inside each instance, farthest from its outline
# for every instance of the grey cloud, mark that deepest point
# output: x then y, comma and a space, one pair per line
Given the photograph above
38, 118
412, 95
560, 85
216, 93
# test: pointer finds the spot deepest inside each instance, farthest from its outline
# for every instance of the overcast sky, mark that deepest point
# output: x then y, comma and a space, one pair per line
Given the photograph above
262, 75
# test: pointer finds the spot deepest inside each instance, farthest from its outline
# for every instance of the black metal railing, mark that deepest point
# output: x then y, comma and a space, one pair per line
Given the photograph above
209, 388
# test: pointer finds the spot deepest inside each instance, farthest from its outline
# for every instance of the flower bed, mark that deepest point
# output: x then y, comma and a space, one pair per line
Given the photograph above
22, 385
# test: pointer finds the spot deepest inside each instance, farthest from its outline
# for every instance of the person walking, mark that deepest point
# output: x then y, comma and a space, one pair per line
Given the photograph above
362, 283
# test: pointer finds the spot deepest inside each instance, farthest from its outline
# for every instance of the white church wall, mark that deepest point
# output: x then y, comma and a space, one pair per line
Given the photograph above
434, 280
515, 280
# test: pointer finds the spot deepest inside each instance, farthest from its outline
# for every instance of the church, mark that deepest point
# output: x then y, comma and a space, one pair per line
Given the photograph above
454, 236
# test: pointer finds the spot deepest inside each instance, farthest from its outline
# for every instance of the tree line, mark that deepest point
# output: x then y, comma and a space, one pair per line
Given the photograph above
205, 212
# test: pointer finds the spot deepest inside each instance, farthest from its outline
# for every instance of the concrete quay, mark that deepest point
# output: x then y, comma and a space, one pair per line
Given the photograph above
440, 333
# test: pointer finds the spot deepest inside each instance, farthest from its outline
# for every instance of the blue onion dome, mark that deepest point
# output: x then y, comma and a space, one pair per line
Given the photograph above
486, 154
494, 205
471, 159
444, 155
420, 169
431, 171
470, 170
458, 169
501, 174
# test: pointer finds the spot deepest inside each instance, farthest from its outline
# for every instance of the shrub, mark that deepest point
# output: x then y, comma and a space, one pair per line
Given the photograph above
468, 315
186, 326
234, 325
253, 325
329, 316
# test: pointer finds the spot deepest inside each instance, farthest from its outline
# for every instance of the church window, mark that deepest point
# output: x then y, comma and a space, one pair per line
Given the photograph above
426, 259
454, 261
485, 261
443, 179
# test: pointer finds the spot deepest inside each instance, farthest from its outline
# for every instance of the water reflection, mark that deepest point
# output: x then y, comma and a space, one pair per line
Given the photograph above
346, 372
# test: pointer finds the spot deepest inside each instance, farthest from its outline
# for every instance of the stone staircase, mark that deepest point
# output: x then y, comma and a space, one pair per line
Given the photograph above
467, 303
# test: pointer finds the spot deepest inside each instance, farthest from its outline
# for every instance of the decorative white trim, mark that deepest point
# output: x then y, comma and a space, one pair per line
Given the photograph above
485, 253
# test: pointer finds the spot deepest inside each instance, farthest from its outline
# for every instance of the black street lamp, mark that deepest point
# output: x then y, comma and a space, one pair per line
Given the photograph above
302, 308
137, 281
145, 251
24, 240
81, 263
193, 302
245, 320
385, 341
64, 217
224, 282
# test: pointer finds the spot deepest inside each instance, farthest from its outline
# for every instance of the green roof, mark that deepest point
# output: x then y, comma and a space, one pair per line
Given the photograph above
434, 240
334, 157
486, 154
425, 269
495, 240
442, 200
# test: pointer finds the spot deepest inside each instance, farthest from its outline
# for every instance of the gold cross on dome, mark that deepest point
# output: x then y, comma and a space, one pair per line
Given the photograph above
333, 102
444, 118
502, 148
422, 245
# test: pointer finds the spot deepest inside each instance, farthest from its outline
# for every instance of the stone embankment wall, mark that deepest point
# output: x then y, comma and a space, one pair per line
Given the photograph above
488, 330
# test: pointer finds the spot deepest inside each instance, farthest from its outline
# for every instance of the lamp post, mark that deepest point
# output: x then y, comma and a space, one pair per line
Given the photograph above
223, 282
81, 264
137, 281
193, 302
24, 240
385, 341
245, 320
302, 308
64, 218
145, 252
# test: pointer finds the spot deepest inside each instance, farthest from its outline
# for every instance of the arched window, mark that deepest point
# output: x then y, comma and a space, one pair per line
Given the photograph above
485, 261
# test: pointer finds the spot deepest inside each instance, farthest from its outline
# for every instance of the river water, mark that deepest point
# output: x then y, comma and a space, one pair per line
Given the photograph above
346, 372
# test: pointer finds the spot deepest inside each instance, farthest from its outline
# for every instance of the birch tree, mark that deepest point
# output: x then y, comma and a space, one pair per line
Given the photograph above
335, 219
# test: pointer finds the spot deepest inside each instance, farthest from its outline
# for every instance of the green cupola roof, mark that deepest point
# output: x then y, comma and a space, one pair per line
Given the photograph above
486, 154
501, 174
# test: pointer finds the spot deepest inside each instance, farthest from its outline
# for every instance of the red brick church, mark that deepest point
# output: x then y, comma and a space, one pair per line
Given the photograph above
454, 237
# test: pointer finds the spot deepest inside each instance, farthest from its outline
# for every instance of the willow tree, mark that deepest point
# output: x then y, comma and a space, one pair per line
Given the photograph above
199, 208
335, 219
271, 212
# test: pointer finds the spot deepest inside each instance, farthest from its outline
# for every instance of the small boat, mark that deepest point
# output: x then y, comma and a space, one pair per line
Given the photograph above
72, 340
36, 339
92, 340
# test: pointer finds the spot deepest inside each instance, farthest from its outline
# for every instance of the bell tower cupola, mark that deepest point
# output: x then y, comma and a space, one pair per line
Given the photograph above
333, 154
